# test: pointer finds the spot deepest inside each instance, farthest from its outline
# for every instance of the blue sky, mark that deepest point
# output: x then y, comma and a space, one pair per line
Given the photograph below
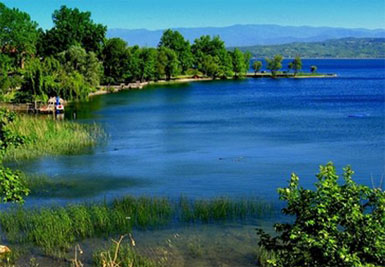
160, 14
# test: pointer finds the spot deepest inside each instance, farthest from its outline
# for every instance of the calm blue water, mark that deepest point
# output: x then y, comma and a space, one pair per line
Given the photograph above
234, 138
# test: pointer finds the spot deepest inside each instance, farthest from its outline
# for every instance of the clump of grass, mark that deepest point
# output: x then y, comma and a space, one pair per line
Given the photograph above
220, 209
55, 229
46, 136
122, 255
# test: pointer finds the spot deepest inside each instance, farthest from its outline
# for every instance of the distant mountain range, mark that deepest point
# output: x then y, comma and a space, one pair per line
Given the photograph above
248, 35
338, 48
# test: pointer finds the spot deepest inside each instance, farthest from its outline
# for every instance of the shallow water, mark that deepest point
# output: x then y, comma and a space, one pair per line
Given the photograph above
233, 138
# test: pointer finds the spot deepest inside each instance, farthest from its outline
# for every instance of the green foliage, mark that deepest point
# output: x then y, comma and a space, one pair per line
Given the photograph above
240, 63
274, 64
337, 224
167, 64
72, 27
116, 56
176, 42
313, 69
211, 56
18, 34
257, 66
147, 60
296, 65
12, 185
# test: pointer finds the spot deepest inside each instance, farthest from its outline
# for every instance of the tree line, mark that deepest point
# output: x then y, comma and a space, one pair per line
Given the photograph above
74, 57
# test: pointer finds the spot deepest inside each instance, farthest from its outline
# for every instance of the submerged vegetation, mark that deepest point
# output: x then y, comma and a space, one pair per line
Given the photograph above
56, 229
46, 136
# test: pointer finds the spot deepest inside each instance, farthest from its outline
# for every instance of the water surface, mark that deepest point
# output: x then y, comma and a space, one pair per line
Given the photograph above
233, 138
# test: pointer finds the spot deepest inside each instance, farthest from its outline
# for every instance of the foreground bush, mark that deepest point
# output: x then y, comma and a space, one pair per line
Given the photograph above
337, 224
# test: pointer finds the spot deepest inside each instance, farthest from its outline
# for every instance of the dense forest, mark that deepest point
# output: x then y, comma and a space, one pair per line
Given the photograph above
337, 48
74, 57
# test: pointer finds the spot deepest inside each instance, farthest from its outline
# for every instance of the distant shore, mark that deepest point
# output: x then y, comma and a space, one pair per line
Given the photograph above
107, 89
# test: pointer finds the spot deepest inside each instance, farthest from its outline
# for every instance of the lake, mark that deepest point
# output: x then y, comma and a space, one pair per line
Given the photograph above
229, 138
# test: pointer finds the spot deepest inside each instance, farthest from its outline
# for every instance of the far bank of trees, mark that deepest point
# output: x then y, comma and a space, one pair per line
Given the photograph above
74, 57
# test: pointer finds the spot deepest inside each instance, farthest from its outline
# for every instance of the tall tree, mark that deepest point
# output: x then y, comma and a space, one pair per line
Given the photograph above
296, 64
239, 63
18, 34
176, 42
211, 66
73, 27
116, 60
214, 47
147, 63
274, 64
167, 63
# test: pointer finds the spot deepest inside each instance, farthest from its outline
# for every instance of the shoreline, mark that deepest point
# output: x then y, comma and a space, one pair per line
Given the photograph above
109, 89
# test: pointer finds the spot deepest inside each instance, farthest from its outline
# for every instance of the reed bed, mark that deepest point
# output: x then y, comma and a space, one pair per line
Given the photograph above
56, 229
46, 136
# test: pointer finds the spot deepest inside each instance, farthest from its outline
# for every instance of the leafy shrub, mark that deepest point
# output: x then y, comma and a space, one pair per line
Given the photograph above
337, 224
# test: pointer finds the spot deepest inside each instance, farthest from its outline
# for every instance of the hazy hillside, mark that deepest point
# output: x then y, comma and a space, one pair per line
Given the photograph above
340, 48
247, 35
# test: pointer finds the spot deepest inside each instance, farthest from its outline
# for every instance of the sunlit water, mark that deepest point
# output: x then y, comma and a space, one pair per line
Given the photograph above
232, 138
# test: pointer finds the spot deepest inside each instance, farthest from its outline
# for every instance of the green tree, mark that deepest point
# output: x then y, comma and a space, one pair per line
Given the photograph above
167, 63
77, 59
313, 69
215, 47
337, 224
147, 63
176, 42
274, 64
72, 27
211, 66
296, 65
116, 61
257, 66
239, 63
18, 34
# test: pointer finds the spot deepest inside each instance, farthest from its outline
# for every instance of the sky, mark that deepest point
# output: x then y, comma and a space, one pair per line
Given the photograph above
161, 14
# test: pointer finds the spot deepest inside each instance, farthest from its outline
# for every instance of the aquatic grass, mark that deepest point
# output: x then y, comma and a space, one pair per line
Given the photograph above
220, 209
56, 229
122, 255
47, 136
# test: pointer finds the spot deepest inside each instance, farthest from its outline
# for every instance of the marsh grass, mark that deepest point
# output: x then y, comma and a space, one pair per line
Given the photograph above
121, 254
56, 229
46, 136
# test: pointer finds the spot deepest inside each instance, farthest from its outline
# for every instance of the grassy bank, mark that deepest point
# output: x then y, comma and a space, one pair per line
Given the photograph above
46, 136
56, 229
